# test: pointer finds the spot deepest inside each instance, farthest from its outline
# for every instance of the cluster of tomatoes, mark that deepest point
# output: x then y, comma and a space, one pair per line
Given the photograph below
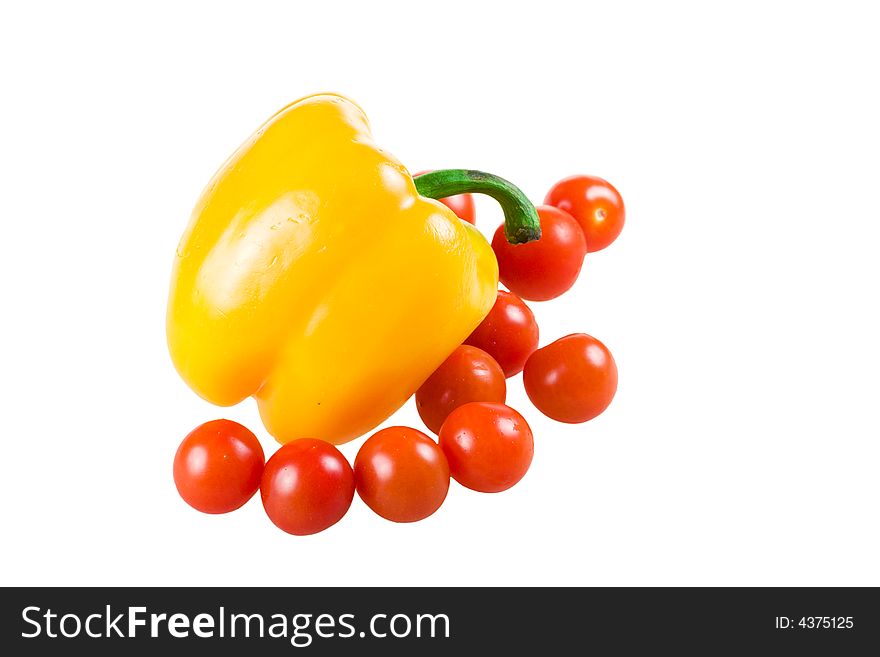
401, 473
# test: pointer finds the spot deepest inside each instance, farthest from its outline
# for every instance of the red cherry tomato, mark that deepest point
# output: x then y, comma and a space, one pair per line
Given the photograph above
461, 204
596, 206
509, 333
401, 474
217, 467
307, 486
489, 446
468, 375
547, 267
571, 380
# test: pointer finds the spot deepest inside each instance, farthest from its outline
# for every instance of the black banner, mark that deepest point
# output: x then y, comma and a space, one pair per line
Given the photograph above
334, 621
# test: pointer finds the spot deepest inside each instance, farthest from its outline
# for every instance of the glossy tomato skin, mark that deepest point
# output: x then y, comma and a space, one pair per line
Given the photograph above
401, 474
571, 380
509, 333
469, 374
489, 446
547, 267
595, 204
307, 486
218, 466
461, 204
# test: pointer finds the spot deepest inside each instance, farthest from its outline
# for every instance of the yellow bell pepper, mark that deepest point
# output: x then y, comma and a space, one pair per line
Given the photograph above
315, 278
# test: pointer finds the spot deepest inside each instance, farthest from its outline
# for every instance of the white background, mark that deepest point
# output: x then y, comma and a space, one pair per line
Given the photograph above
740, 302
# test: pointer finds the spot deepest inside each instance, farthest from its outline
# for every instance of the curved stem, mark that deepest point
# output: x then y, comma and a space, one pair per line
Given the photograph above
521, 222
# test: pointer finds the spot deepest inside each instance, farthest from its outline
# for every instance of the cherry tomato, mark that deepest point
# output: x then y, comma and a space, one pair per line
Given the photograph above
489, 446
571, 380
547, 267
307, 486
596, 206
509, 333
401, 474
461, 204
217, 467
469, 374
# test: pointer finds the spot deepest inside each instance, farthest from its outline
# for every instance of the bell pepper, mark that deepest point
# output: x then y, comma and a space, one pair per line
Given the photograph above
316, 276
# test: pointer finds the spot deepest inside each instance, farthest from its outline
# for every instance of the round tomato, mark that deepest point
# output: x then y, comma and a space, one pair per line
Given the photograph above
547, 267
461, 204
571, 380
217, 467
489, 446
469, 374
401, 474
307, 486
596, 206
509, 333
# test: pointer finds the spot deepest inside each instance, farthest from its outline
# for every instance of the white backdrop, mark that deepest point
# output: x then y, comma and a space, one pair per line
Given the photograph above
740, 301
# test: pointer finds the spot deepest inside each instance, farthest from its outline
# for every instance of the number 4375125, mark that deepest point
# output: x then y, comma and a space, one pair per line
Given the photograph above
815, 622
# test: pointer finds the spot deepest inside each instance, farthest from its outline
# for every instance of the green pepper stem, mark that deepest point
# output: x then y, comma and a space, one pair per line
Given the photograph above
521, 223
